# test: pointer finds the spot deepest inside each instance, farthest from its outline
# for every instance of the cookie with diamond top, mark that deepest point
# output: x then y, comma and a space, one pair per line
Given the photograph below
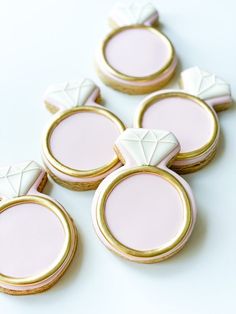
38, 238
143, 211
135, 57
78, 143
190, 113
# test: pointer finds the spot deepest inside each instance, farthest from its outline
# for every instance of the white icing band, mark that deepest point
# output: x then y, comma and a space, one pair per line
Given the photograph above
18, 179
203, 84
70, 94
133, 13
147, 147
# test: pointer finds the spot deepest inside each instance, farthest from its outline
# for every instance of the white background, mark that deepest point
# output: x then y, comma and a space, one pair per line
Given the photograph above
48, 41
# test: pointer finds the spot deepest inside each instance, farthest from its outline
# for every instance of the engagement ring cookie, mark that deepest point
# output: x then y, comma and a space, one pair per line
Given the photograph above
190, 114
143, 211
78, 144
135, 58
37, 236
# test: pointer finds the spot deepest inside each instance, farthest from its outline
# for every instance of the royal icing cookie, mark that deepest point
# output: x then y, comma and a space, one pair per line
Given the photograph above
135, 58
78, 144
190, 114
37, 236
143, 211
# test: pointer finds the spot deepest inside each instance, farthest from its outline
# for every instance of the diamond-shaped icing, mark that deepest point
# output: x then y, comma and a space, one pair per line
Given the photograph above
70, 94
133, 13
16, 180
147, 147
203, 84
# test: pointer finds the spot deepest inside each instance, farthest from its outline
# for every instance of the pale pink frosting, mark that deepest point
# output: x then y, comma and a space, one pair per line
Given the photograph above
137, 52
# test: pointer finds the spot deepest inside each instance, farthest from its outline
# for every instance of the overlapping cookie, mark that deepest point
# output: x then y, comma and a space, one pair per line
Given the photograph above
78, 144
135, 58
37, 236
190, 114
143, 211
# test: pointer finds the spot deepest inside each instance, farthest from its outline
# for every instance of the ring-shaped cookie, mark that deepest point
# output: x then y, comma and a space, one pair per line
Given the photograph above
190, 114
124, 219
78, 143
135, 57
37, 236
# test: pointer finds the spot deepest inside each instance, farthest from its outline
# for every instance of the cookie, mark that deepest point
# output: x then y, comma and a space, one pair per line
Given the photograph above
37, 236
143, 211
135, 58
190, 114
78, 143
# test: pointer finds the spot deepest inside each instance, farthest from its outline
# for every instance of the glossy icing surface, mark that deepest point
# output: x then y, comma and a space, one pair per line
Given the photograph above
84, 141
137, 52
136, 219
190, 122
31, 240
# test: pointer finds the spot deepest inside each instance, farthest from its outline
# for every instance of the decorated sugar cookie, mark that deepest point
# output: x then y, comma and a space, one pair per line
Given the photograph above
190, 114
37, 236
135, 58
143, 211
78, 144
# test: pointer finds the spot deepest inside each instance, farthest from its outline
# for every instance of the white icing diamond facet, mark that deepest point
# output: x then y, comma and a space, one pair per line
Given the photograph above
18, 179
203, 84
147, 147
133, 13
70, 94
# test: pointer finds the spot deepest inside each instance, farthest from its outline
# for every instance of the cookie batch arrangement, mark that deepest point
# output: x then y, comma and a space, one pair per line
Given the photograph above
142, 209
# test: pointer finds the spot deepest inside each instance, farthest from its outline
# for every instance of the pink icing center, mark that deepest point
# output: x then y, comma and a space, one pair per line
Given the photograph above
144, 212
191, 123
137, 52
84, 141
31, 239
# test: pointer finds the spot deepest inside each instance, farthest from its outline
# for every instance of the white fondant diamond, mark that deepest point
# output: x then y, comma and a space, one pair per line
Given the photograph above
70, 94
203, 84
16, 180
133, 13
147, 147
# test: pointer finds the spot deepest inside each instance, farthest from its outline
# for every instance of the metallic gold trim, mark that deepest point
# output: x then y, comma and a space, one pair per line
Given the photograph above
123, 76
102, 224
67, 226
75, 172
191, 154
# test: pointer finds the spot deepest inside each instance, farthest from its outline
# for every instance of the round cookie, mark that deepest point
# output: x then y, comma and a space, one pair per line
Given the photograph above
78, 143
190, 114
37, 236
135, 58
143, 211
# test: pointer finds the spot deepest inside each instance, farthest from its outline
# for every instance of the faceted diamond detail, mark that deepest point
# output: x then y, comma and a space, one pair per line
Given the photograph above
203, 84
16, 180
70, 94
147, 147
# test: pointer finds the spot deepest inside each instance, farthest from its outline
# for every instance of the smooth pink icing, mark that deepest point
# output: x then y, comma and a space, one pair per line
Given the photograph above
147, 218
137, 52
192, 124
31, 239
84, 141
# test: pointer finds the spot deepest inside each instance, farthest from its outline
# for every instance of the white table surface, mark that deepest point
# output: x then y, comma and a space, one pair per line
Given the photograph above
49, 41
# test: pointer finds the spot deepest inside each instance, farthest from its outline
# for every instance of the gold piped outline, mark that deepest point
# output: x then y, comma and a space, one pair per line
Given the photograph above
75, 172
109, 68
191, 154
118, 246
67, 226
